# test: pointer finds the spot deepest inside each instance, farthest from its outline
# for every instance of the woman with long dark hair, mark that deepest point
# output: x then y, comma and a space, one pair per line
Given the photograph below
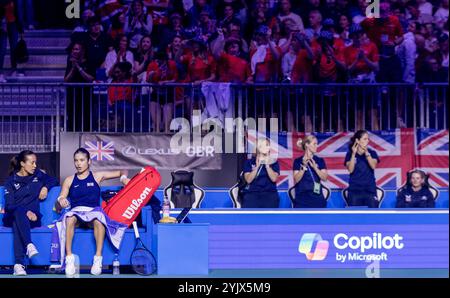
81, 193
138, 23
119, 54
361, 162
78, 100
24, 189
309, 171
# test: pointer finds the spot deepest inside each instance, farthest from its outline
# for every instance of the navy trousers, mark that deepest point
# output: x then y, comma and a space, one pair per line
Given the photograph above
21, 226
309, 200
362, 198
261, 200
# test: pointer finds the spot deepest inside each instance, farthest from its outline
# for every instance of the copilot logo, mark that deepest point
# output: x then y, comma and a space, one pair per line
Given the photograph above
306, 247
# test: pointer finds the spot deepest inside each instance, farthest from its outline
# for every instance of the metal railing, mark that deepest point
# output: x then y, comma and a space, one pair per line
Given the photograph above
30, 117
33, 115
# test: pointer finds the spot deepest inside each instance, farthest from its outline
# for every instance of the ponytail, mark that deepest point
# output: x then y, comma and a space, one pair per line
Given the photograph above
14, 163
358, 135
301, 143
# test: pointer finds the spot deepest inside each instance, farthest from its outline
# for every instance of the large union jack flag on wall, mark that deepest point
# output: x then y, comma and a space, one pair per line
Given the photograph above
400, 150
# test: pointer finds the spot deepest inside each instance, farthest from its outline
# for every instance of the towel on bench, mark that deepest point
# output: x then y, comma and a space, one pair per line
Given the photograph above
114, 230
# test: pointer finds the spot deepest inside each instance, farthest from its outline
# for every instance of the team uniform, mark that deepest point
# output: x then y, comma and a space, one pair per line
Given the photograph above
408, 198
261, 192
22, 195
362, 185
308, 191
84, 192
84, 198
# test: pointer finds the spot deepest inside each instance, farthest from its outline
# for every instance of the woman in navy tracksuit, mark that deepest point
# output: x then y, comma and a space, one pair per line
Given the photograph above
261, 174
416, 194
309, 171
361, 162
83, 190
24, 189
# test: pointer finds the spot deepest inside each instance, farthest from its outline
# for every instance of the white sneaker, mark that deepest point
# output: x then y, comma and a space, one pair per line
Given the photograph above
19, 270
97, 265
31, 250
70, 265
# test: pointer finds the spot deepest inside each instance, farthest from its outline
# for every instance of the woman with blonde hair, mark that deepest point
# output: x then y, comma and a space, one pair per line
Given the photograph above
261, 173
309, 171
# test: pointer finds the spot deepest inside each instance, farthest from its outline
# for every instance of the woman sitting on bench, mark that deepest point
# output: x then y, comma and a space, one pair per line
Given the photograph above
24, 189
81, 193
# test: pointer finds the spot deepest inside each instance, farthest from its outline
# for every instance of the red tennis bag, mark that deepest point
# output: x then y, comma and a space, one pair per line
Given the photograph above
126, 205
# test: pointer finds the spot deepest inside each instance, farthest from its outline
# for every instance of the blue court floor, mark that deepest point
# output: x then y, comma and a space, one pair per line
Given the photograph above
260, 273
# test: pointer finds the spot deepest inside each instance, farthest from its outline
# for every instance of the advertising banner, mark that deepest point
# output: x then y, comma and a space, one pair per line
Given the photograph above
134, 151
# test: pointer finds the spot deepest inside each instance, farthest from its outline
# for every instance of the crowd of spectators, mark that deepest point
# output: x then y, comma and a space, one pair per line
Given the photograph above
264, 41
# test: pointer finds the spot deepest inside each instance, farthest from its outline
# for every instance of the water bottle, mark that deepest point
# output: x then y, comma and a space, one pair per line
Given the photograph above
166, 208
116, 265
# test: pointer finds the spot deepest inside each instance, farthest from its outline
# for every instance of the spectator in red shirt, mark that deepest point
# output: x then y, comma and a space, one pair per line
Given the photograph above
264, 57
162, 71
10, 30
201, 67
297, 67
328, 58
121, 73
231, 67
386, 32
302, 68
117, 25
361, 57
344, 26
120, 98
338, 42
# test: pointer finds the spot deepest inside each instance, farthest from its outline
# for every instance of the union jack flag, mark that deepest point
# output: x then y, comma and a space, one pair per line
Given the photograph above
100, 150
105, 9
400, 151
